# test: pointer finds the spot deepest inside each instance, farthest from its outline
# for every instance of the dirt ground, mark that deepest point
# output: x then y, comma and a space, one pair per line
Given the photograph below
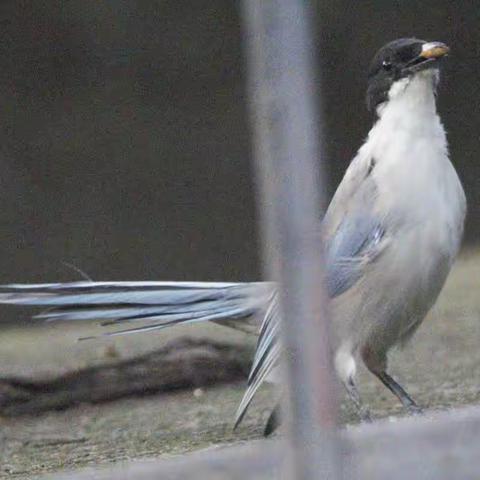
439, 368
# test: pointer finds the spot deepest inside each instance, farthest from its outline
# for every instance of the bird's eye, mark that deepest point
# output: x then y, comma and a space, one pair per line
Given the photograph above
386, 65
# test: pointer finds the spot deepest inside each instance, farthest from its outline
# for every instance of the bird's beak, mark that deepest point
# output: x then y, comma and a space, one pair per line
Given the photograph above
431, 52
434, 50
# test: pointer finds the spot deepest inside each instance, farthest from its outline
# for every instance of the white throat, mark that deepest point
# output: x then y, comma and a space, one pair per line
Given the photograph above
409, 146
408, 122
412, 94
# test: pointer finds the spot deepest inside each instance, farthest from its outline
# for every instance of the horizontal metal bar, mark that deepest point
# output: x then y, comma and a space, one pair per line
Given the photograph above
438, 447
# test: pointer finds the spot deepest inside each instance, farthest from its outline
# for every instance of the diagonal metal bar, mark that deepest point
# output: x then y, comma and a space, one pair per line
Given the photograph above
286, 140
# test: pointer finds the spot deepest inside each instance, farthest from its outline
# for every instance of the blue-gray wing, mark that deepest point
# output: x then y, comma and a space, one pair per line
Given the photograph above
354, 230
358, 241
355, 237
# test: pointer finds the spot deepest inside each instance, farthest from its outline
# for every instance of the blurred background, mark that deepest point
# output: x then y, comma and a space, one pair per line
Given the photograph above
124, 135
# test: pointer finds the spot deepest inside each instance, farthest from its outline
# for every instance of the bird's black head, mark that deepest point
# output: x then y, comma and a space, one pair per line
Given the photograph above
400, 59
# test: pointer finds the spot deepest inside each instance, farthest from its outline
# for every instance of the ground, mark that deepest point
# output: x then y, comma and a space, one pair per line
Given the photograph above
439, 368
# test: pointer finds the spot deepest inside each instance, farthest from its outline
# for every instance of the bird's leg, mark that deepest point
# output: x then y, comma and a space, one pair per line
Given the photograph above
399, 392
354, 395
377, 364
273, 422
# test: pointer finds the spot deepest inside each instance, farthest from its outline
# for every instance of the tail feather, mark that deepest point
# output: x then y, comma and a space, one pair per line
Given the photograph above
240, 313
53, 297
96, 286
267, 355
163, 303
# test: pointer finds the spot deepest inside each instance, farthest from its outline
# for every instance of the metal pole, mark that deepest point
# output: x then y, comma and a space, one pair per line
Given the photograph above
283, 105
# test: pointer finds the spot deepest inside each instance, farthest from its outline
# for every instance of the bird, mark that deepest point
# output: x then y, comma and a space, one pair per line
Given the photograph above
391, 234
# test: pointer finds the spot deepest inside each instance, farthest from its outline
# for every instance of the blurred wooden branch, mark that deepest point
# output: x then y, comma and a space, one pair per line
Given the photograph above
182, 364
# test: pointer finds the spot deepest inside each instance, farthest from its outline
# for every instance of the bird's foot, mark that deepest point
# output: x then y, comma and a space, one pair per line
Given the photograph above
364, 414
415, 410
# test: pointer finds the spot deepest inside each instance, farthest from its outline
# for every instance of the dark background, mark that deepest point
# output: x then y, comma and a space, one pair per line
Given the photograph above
125, 147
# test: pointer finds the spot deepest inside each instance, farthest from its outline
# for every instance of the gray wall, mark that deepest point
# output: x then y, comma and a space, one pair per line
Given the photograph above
124, 136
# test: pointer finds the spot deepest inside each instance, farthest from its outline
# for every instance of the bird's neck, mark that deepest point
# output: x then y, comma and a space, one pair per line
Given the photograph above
408, 135
411, 100
408, 119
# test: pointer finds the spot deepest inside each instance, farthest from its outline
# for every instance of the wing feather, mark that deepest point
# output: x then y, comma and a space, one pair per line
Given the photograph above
355, 236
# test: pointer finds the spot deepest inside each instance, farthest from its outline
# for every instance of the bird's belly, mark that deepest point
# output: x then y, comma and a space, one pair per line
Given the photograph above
396, 292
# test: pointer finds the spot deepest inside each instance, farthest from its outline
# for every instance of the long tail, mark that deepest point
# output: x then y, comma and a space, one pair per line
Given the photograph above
162, 303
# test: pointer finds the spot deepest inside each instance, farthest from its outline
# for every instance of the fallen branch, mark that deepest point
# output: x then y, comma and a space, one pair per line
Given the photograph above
182, 364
